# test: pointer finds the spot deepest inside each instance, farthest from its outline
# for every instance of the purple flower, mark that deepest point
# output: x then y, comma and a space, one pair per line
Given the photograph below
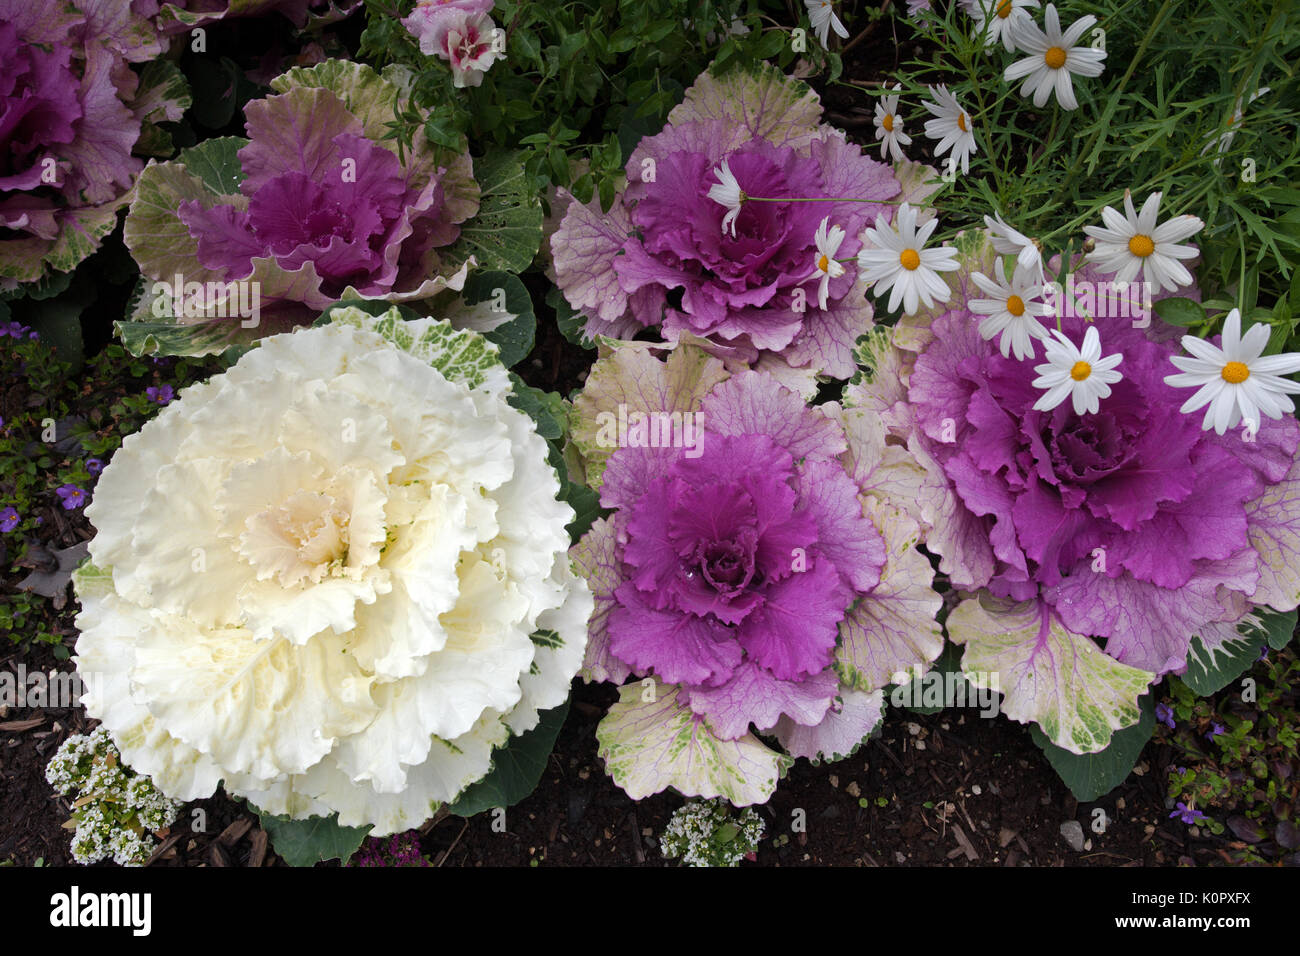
9, 518
69, 97
162, 394
15, 329
72, 497
1132, 525
94, 466
1188, 815
1165, 714
1216, 729
374, 222
661, 257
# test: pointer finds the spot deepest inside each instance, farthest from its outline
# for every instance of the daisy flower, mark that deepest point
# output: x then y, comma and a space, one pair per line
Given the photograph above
1008, 242
952, 127
1235, 381
889, 128
999, 15
727, 192
1079, 374
898, 261
824, 265
1225, 138
1011, 310
823, 18
1133, 244
1053, 57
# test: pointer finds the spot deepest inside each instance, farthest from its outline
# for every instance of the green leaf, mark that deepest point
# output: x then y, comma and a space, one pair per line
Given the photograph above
1278, 627
515, 337
216, 163
1211, 670
516, 768
586, 508
1092, 776
308, 842
507, 231
545, 408
948, 662
1181, 312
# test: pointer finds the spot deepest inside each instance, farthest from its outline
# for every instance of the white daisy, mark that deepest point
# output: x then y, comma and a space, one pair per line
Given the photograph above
1053, 56
824, 265
823, 18
1235, 381
1008, 242
999, 15
889, 128
952, 127
1225, 138
1134, 245
1081, 374
1011, 310
727, 192
898, 260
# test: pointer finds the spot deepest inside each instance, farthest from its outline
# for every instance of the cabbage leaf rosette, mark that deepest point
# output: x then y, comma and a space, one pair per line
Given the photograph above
334, 577
319, 204
758, 574
669, 255
1099, 551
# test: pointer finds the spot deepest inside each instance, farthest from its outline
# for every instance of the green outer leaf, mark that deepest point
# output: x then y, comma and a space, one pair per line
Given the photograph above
507, 231
1278, 627
570, 321
515, 337
216, 163
1092, 776
1180, 312
1208, 673
948, 662
546, 409
516, 768
308, 842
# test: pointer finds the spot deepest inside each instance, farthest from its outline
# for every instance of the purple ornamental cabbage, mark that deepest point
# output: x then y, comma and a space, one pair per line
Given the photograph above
660, 257
757, 573
71, 111
1132, 526
324, 209
182, 15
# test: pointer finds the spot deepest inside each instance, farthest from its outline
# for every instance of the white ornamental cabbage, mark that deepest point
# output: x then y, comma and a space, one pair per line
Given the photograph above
334, 577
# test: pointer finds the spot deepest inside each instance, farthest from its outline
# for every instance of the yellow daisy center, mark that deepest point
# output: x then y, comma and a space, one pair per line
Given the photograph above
823, 263
1141, 245
1054, 57
1080, 370
910, 259
1234, 373
888, 122
1015, 305
1004, 9
961, 123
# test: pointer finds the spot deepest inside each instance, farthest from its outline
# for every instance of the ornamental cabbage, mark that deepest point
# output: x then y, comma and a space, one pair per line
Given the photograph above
317, 206
660, 257
758, 573
1131, 526
73, 110
333, 577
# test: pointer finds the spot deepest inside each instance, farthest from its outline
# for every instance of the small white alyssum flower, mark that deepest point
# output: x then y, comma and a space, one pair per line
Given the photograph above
889, 128
727, 192
898, 260
822, 15
1052, 58
1011, 310
1133, 244
1080, 374
1235, 380
952, 127
1009, 242
828, 239
999, 15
